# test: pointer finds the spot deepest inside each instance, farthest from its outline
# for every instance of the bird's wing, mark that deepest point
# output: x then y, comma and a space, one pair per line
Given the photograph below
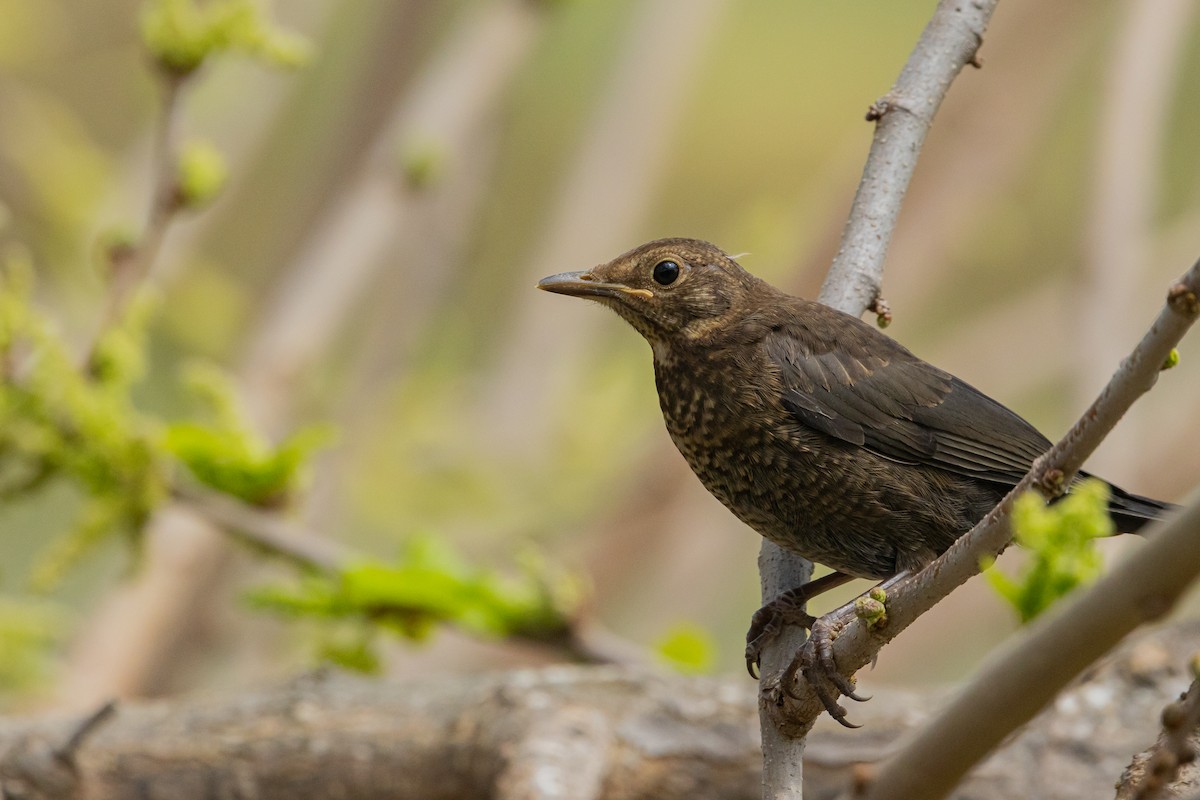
887, 400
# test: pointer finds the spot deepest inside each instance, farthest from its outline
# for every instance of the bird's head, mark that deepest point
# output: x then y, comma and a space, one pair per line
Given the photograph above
668, 289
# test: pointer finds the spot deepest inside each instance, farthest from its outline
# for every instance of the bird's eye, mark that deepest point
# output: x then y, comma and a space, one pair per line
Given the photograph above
666, 272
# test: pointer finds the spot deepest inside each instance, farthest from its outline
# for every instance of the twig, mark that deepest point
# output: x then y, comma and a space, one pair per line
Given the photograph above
1157, 768
87, 726
904, 115
1143, 588
267, 531
1011, 689
582, 639
782, 745
948, 43
129, 264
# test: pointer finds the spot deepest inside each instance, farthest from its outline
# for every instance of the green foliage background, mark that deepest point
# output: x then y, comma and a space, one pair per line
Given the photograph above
395, 430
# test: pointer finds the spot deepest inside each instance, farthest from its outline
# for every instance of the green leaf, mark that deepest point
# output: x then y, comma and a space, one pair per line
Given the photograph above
431, 585
687, 648
1060, 541
202, 173
227, 455
183, 34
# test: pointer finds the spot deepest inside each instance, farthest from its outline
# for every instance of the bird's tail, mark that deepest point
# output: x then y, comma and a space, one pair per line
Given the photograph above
1130, 512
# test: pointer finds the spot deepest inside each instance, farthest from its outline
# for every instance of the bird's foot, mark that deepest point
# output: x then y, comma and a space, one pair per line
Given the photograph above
767, 623
815, 661
785, 609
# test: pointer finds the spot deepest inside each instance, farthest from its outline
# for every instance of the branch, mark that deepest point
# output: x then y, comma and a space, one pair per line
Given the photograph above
575, 733
856, 645
903, 117
644, 734
1011, 689
267, 531
949, 42
1152, 771
130, 264
583, 639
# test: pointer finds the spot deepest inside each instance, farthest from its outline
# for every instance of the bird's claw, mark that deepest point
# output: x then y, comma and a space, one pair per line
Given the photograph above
766, 624
815, 661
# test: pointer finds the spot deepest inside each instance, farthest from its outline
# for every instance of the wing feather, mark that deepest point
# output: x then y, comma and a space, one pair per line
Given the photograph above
899, 406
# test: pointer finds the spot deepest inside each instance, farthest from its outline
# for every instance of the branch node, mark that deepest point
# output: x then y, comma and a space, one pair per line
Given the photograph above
1052, 483
1183, 300
65, 754
882, 311
878, 109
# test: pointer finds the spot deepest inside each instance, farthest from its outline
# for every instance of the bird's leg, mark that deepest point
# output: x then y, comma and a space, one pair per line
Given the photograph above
785, 609
815, 660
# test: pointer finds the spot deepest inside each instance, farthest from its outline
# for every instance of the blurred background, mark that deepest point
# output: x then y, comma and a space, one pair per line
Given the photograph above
392, 203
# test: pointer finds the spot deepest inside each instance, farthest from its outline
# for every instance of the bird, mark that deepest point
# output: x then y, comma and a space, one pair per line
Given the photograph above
816, 429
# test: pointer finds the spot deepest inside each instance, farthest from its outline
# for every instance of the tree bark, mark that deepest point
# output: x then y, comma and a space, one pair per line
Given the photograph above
598, 733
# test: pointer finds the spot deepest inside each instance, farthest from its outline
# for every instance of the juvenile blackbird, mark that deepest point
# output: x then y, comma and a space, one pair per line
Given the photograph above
815, 429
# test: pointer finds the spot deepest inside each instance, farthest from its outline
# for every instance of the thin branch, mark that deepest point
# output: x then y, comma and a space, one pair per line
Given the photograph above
1157, 768
949, 42
1011, 689
582, 639
86, 728
1014, 689
267, 531
130, 264
782, 746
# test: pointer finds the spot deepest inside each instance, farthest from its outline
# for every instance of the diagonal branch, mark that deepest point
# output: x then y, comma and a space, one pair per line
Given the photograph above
926, 767
582, 639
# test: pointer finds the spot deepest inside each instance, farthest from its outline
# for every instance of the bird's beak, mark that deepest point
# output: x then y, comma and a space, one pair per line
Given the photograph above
584, 284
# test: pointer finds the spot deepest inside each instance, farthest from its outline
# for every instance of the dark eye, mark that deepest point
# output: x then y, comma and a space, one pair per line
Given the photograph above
666, 272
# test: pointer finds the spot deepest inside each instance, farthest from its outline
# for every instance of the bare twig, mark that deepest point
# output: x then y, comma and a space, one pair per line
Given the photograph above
130, 263
948, 43
934, 761
85, 729
853, 284
267, 531
1152, 771
1011, 689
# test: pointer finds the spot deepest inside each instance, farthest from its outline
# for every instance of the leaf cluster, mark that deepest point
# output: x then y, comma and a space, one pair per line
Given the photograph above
58, 420
427, 585
183, 34
1060, 540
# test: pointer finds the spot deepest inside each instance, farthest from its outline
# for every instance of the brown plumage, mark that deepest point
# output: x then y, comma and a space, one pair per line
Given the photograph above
815, 429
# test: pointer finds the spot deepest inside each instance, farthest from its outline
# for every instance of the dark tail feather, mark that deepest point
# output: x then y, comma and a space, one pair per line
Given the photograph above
1130, 512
